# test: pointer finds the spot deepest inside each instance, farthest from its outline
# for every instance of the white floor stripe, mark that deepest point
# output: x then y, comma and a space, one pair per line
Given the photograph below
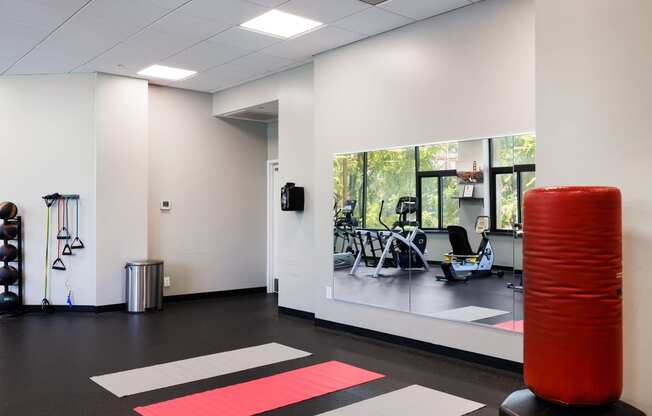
468, 313
410, 401
126, 383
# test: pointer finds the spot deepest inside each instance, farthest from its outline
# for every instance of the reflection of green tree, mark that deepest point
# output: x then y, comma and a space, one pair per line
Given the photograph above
510, 151
347, 180
390, 175
430, 203
438, 156
451, 205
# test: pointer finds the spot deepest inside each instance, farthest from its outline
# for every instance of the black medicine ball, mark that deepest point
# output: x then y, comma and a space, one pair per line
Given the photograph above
8, 252
8, 231
8, 275
8, 210
8, 301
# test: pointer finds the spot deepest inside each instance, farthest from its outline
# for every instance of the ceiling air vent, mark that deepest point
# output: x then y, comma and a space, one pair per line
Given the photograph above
373, 2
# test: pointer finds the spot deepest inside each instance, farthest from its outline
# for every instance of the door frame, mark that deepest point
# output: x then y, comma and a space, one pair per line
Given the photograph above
271, 164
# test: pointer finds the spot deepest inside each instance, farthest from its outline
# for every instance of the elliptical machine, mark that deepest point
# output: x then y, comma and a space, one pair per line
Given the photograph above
401, 247
344, 243
462, 263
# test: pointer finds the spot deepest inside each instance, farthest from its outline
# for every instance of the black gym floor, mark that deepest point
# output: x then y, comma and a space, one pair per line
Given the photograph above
46, 361
420, 292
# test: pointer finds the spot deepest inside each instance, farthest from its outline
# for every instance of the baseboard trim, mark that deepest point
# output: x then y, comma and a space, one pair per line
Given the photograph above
473, 357
213, 295
296, 312
166, 299
116, 307
60, 308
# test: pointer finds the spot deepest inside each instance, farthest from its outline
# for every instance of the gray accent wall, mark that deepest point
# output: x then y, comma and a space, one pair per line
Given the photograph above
213, 172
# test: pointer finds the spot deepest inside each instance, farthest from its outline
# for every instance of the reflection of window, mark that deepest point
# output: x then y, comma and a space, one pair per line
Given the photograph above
430, 202
390, 175
437, 189
512, 174
438, 156
451, 206
348, 180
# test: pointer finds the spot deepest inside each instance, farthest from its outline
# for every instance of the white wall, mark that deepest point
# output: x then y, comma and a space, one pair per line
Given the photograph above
294, 90
121, 131
594, 83
213, 172
47, 136
465, 74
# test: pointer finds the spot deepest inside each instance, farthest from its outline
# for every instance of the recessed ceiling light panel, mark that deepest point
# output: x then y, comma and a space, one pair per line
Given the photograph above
280, 24
166, 72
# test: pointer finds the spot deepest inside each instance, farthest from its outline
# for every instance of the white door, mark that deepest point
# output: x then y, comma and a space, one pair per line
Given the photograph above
273, 211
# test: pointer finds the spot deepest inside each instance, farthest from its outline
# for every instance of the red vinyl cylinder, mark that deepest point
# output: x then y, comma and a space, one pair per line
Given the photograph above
572, 264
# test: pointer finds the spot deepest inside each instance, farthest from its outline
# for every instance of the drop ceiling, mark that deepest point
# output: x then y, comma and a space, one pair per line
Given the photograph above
124, 36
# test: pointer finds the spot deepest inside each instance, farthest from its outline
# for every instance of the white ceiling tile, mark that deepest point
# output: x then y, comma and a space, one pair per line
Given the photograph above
372, 21
169, 4
269, 3
95, 29
190, 27
205, 55
324, 11
46, 13
320, 40
147, 48
233, 12
259, 63
63, 51
212, 79
246, 39
421, 9
121, 17
15, 40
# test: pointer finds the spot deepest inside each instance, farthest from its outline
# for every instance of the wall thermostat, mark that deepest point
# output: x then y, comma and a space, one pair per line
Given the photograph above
165, 205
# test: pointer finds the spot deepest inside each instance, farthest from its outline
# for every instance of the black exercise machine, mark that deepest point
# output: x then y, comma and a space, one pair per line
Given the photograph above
398, 246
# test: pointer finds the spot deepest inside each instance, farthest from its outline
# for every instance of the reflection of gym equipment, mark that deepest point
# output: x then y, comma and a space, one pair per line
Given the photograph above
399, 247
344, 243
517, 287
462, 263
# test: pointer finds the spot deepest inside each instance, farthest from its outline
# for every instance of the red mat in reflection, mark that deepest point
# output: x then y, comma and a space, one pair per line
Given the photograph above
266, 393
516, 326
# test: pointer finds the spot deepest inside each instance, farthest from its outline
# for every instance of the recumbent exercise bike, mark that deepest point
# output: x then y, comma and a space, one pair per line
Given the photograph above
462, 263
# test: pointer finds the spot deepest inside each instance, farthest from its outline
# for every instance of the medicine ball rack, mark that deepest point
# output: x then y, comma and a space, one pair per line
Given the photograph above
17, 307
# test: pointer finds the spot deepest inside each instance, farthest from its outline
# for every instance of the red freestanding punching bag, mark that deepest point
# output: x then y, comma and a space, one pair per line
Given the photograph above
572, 264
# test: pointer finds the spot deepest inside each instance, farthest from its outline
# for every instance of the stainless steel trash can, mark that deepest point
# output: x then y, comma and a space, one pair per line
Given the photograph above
144, 288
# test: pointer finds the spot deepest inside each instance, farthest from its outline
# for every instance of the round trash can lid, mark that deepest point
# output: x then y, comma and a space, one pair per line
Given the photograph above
144, 262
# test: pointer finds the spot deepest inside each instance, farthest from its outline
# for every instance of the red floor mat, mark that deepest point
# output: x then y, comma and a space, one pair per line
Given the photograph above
515, 326
266, 393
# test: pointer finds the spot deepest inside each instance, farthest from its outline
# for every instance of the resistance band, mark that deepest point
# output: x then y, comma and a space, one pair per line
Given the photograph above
67, 250
77, 243
58, 263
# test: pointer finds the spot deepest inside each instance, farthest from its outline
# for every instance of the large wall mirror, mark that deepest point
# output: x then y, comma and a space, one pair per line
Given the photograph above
434, 229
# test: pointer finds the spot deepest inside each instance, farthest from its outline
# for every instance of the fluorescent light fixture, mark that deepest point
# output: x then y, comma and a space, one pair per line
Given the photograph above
166, 72
280, 24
